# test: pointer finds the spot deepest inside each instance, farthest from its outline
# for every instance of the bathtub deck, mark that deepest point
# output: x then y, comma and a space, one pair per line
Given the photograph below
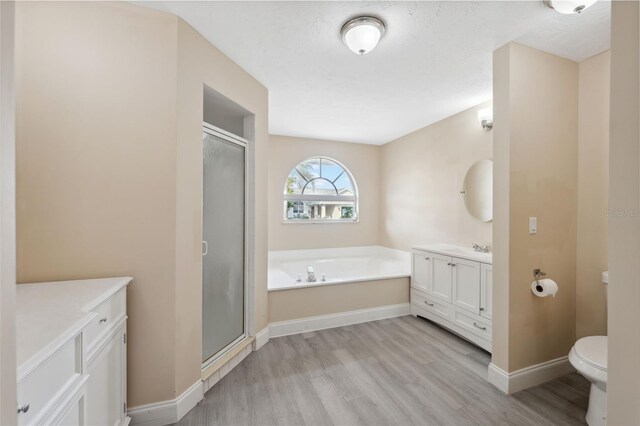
397, 371
339, 265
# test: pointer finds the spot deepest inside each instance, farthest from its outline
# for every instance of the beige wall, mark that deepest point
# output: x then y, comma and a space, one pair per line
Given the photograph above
542, 139
324, 300
501, 207
200, 63
623, 386
593, 190
421, 176
109, 120
363, 161
96, 164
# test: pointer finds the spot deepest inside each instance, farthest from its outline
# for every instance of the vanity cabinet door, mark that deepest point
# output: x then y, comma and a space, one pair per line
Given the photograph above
421, 273
440, 285
486, 290
105, 391
466, 285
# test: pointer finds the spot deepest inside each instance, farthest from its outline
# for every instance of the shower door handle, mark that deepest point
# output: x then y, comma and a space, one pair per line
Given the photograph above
205, 248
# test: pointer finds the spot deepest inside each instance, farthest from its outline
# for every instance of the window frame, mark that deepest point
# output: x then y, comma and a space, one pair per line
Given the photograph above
310, 198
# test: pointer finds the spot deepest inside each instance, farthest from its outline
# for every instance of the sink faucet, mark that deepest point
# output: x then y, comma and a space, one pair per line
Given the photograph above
481, 249
311, 276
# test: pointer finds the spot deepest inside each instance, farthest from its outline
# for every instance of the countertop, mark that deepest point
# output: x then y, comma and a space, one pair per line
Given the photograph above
49, 314
457, 251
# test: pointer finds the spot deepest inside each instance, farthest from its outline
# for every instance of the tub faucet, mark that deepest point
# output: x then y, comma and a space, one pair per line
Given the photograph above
311, 276
481, 249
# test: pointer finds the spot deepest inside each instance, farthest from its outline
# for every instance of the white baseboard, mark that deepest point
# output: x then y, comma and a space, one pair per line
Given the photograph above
262, 338
189, 399
529, 376
498, 378
167, 412
285, 328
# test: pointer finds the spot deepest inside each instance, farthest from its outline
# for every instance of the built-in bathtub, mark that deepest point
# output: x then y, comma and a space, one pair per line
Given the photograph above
362, 284
288, 269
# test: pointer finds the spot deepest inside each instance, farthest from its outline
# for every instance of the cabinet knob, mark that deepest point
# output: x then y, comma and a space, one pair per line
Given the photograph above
23, 408
427, 303
427, 258
479, 326
482, 309
102, 320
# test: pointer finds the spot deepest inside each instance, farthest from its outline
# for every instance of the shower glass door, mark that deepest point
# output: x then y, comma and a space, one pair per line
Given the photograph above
223, 251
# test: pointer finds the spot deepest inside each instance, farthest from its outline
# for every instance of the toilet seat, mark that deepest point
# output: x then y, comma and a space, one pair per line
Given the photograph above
589, 357
592, 351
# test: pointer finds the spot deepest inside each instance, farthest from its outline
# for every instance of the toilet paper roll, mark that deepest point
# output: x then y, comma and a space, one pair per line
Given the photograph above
544, 287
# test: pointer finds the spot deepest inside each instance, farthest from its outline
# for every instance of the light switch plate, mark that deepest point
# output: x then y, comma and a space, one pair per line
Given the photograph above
533, 225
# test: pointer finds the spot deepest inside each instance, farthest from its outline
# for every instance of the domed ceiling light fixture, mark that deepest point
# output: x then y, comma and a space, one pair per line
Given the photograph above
362, 34
569, 6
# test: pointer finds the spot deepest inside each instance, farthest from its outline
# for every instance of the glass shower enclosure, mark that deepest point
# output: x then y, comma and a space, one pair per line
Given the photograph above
224, 292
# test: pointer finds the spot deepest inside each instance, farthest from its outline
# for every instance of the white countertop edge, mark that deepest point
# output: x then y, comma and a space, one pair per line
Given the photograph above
444, 252
119, 283
123, 282
28, 366
345, 281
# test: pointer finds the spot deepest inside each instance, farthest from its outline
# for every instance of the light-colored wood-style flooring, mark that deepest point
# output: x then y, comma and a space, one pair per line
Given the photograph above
400, 371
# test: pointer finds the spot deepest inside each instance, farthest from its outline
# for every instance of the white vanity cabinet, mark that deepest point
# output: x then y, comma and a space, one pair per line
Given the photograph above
431, 273
106, 363
71, 350
486, 290
53, 390
107, 383
452, 287
421, 272
441, 279
466, 284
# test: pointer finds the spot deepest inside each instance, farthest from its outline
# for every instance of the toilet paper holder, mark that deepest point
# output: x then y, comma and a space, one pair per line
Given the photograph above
537, 274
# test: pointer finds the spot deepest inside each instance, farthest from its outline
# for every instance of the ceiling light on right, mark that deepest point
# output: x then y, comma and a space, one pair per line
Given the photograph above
569, 6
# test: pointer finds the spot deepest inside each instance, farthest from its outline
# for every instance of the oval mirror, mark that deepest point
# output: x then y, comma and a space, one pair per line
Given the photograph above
478, 190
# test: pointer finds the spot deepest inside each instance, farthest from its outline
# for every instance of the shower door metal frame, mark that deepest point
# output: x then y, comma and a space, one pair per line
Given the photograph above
248, 239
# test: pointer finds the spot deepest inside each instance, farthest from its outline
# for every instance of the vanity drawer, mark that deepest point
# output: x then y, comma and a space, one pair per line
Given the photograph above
108, 313
41, 386
432, 305
479, 327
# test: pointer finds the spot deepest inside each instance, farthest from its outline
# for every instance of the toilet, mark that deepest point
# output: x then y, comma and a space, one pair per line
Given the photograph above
589, 357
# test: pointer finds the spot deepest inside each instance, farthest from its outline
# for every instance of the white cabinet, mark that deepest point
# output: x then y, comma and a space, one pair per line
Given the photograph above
53, 386
421, 271
486, 290
454, 292
441, 279
72, 353
106, 387
73, 416
106, 363
466, 280
431, 274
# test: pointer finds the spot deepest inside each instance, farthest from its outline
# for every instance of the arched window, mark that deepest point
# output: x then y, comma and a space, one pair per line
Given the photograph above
320, 190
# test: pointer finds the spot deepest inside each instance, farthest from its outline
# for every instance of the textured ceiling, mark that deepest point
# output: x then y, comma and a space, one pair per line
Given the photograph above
434, 61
